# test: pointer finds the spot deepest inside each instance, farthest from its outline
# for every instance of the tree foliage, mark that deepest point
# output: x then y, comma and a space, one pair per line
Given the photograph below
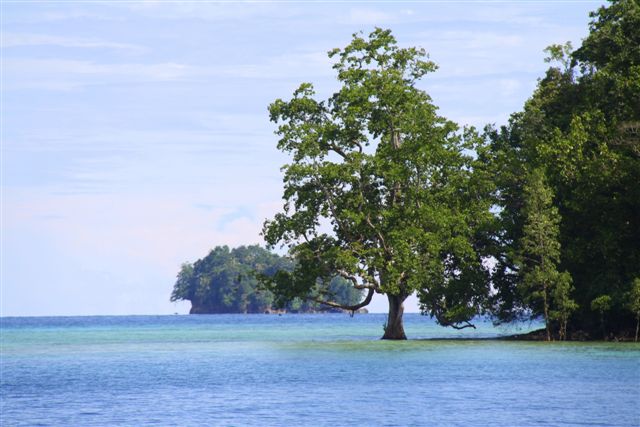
381, 190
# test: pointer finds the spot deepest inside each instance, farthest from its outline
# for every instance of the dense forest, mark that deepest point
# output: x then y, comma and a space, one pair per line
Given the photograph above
225, 281
539, 218
567, 175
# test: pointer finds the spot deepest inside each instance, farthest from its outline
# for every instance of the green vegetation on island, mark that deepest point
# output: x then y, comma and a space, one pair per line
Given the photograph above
539, 218
225, 282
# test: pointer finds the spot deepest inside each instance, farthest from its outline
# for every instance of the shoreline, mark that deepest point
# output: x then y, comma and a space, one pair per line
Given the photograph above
576, 336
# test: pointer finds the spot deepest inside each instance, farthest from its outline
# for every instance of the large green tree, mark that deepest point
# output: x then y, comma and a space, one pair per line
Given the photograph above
381, 190
581, 125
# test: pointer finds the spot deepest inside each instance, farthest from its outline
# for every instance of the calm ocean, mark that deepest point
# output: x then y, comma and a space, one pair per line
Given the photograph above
316, 370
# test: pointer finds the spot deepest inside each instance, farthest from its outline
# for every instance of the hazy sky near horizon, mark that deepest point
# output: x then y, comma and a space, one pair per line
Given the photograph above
135, 135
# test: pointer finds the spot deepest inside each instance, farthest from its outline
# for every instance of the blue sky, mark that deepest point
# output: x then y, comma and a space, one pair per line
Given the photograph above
135, 135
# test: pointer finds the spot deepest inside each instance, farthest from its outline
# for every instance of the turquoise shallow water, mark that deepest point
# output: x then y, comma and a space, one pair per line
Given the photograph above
318, 370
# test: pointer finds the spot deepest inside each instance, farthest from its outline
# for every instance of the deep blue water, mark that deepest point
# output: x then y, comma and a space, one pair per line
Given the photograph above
317, 370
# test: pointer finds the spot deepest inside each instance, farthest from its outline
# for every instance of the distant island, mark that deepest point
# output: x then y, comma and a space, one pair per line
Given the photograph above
226, 281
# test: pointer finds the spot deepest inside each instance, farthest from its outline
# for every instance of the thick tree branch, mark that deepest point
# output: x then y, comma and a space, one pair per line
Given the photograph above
444, 322
332, 208
334, 213
351, 308
372, 278
379, 235
402, 282
466, 325
337, 150
354, 280
370, 283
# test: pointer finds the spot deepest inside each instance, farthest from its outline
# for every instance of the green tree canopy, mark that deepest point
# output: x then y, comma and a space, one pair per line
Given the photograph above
381, 190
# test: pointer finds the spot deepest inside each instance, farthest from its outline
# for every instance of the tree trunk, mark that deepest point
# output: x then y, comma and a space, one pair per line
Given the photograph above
394, 329
637, 326
546, 312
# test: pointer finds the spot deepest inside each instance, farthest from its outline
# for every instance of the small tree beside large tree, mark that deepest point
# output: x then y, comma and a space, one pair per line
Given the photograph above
381, 190
545, 290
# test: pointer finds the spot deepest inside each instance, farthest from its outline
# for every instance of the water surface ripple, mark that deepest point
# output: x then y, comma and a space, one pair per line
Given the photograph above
317, 370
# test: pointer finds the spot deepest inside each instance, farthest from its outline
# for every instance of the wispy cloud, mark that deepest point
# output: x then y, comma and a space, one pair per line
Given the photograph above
466, 39
64, 74
12, 40
51, 13
70, 74
303, 65
221, 135
368, 17
205, 10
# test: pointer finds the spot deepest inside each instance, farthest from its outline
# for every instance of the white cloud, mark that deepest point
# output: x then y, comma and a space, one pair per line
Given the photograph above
300, 65
69, 74
221, 134
204, 10
53, 14
10, 40
368, 17
65, 74
465, 39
